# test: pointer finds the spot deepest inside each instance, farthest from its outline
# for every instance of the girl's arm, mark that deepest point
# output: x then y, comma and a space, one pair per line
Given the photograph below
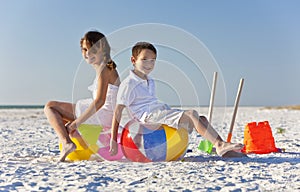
95, 105
114, 131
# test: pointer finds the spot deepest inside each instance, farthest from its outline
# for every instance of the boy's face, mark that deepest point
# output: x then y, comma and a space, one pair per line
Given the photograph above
144, 63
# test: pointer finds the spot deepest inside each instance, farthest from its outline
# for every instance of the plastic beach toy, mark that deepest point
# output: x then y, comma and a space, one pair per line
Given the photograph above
145, 143
136, 142
258, 138
206, 146
93, 143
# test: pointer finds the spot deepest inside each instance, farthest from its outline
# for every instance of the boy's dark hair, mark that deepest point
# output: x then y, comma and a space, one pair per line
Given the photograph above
139, 46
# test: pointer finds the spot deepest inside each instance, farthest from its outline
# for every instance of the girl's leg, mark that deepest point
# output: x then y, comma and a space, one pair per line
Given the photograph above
58, 113
203, 127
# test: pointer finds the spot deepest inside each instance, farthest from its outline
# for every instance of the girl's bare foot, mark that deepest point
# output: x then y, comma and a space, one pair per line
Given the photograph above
67, 148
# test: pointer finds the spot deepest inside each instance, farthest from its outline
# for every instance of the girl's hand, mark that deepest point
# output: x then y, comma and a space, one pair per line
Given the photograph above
113, 147
71, 127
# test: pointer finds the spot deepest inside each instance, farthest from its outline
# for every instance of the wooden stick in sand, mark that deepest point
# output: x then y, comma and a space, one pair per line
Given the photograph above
237, 99
212, 97
206, 145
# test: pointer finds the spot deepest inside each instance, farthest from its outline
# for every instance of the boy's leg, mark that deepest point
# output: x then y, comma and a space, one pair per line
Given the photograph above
206, 130
57, 113
205, 123
203, 120
200, 124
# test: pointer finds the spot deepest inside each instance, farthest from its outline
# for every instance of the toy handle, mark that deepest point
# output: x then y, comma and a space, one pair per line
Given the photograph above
229, 137
237, 99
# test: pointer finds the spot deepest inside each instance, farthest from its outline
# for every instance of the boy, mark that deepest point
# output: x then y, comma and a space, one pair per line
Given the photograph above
136, 93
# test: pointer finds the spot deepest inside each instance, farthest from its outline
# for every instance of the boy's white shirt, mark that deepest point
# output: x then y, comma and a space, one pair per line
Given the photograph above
138, 95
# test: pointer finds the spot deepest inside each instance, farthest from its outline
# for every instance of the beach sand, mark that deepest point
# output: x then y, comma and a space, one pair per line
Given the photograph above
29, 153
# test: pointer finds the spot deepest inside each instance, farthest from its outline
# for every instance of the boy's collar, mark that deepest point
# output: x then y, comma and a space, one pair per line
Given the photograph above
134, 76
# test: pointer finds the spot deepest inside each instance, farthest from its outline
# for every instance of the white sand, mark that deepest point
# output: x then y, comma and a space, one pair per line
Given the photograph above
29, 150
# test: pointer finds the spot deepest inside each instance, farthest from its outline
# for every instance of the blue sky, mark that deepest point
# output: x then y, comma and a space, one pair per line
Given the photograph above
259, 41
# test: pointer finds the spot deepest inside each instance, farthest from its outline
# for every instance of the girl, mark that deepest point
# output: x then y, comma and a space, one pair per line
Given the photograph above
96, 52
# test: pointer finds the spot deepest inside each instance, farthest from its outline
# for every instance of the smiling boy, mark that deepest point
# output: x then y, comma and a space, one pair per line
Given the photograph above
137, 93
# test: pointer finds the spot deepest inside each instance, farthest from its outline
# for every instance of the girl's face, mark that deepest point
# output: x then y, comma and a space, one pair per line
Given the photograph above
144, 63
91, 54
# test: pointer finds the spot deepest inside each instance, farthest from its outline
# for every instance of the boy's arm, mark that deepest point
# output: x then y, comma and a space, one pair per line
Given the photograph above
114, 131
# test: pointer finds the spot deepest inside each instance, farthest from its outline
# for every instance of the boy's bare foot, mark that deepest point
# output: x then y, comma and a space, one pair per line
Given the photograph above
67, 148
223, 147
234, 154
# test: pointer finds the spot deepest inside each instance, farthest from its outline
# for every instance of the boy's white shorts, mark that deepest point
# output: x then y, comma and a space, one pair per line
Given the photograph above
168, 117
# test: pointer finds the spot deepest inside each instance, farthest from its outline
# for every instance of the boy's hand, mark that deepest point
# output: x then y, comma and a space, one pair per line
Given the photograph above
113, 147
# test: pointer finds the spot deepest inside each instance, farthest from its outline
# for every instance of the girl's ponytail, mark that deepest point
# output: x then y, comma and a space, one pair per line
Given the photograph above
111, 64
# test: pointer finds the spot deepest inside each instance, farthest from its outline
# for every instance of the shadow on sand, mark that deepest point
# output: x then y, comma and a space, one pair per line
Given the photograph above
289, 157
